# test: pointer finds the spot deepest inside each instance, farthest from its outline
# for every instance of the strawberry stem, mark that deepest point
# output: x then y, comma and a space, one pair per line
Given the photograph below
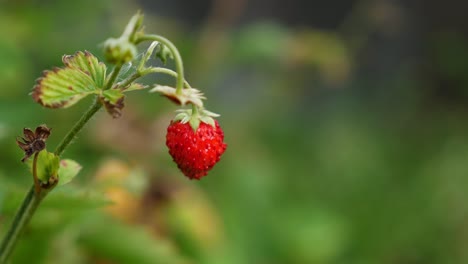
194, 118
175, 52
22, 217
37, 187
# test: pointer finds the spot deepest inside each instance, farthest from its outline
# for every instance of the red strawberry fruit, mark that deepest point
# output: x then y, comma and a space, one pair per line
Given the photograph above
195, 151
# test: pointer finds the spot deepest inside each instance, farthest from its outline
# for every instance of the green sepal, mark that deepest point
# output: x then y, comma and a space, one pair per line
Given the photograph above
194, 123
202, 115
113, 101
67, 171
163, 53
208, 120
113, 95
82, 75
122, 49
119, 50
47, 165
135, 87
207, 117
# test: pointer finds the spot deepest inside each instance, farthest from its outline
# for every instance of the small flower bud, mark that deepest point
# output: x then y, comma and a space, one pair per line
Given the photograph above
119, 50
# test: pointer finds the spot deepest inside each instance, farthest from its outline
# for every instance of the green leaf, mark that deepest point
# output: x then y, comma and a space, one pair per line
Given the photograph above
113, 100
67, 171
63, 87
87, 63
47, 165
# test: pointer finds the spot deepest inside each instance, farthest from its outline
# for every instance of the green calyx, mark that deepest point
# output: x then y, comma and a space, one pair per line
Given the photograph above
47, 166
119, 50
194, 116
123, 49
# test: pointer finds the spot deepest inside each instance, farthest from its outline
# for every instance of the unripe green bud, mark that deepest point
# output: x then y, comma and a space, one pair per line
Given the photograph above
119, 50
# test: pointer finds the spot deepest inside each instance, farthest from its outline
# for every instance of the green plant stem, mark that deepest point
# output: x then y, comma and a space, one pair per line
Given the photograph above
22, 217
77, 127
37, 187
130, 79
175, 52
147, 55
166, 71
146, 71
194, 110
113, 76
33, 199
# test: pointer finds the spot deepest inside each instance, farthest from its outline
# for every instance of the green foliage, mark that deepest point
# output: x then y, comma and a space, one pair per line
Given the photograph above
371, 171
63, 87
88, 64
67, 171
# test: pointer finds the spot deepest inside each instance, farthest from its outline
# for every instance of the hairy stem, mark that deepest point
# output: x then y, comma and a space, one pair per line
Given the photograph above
113, 76
33, 199
77, 127
165, 71
144, 72
37, 187
130, 79
175, 52
147, 55
22, 217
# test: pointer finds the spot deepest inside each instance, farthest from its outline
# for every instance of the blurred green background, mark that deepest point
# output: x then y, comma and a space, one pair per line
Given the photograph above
346, 124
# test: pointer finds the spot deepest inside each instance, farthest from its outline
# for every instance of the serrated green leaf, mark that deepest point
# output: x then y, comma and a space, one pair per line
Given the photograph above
82, 75
62, 88
87, 63
67, 171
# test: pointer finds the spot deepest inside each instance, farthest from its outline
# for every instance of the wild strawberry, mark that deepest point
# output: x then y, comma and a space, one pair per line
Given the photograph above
197, 150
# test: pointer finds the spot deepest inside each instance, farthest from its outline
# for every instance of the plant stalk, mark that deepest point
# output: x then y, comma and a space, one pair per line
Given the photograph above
22, 217
33, 199
123, 84
37, 186
77, 127
175, 52
113, 76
